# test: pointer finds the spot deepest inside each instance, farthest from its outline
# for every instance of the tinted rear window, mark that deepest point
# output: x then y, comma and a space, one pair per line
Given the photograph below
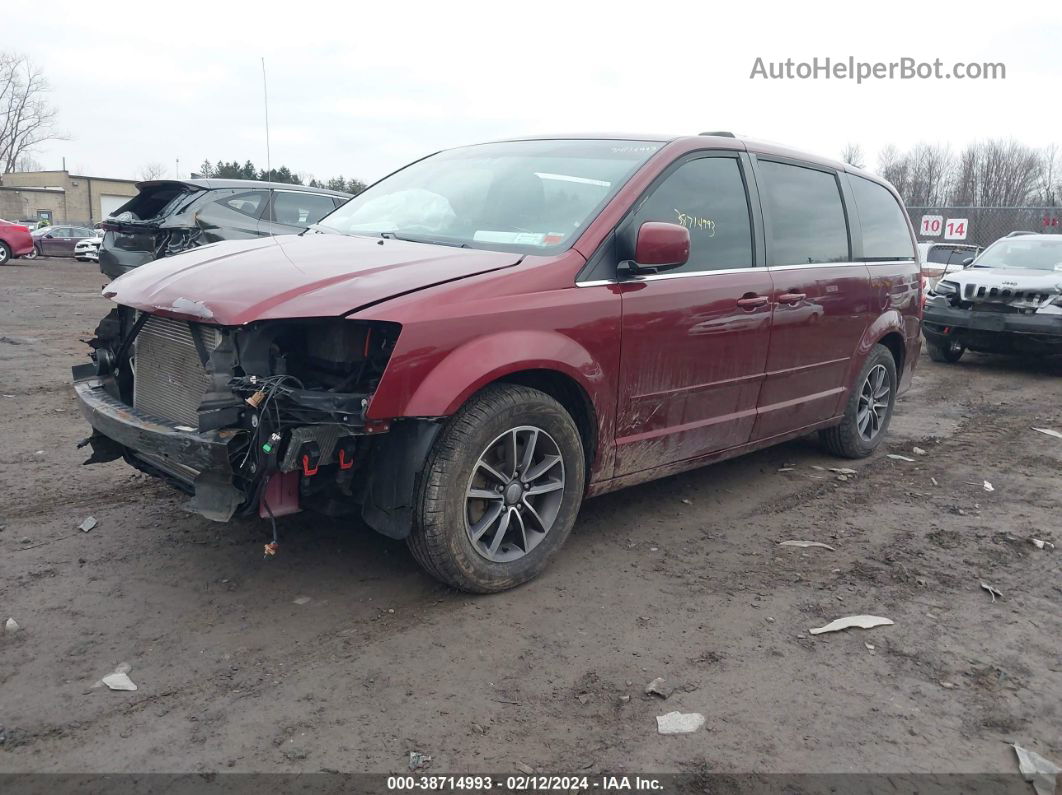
885, 233
806, 222
155, 202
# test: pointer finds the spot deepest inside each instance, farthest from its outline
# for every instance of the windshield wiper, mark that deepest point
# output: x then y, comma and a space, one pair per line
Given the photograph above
429, 241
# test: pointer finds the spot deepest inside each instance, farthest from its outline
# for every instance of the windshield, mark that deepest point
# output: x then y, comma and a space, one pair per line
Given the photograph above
1044, 255
526, 196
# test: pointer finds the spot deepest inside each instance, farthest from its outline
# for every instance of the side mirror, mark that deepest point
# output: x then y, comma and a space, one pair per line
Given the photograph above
49, 236
966, 262
660, 247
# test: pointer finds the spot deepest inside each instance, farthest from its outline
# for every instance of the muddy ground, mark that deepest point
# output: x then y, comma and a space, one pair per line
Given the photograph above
682, 579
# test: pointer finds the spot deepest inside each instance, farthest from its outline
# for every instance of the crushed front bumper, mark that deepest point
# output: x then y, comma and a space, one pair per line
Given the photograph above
198, 462
996, 331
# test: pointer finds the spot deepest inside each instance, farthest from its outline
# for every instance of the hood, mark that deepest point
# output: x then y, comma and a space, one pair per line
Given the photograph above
237, 282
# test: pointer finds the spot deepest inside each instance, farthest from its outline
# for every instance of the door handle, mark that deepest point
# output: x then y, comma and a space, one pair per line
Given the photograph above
749, 301
791, 298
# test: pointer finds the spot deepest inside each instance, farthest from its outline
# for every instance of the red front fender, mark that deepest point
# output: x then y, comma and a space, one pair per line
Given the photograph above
442, 389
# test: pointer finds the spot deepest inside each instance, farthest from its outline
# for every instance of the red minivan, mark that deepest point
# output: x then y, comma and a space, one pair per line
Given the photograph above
461, 354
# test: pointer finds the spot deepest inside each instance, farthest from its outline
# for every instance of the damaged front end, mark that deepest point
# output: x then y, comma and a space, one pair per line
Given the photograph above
267, 417
996, 312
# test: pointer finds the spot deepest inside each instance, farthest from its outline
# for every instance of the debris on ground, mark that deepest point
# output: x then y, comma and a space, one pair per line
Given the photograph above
11, 625
686, 501
527, 770
659, 687
679, 722
1036, 770
842, 471
1049, 432
870, 646
934, 480
806, 544
787, 469
301, 600
897, 457
418, 760
1039, 543
119, 680
862, 622
994, 592
88, 524
919, 451
988, 486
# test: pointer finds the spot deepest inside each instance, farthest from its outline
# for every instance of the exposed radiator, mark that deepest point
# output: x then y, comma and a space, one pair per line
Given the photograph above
169, 380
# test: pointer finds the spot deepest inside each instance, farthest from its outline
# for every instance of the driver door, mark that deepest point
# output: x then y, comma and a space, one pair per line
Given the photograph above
695, 339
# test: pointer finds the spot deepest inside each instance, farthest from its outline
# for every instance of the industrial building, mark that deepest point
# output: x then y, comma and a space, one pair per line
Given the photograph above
61, 197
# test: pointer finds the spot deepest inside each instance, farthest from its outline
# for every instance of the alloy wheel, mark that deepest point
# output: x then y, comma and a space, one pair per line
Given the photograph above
514, 494
873, 402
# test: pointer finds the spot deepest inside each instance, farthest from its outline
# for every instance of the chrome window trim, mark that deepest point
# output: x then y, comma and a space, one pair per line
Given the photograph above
653, 277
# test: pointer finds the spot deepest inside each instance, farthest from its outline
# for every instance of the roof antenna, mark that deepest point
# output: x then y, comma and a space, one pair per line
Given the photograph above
265, 102
269, 165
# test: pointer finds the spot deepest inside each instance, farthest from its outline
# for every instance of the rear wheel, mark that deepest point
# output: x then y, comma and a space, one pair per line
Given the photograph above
949, 351
868, 410
500, 490
5, 253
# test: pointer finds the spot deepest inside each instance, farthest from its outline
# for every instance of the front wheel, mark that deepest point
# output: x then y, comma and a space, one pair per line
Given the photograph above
500, 490
869, 408
948, 351
32, 254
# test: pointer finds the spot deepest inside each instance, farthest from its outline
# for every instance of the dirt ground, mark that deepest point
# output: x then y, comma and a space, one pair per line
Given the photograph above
682, 579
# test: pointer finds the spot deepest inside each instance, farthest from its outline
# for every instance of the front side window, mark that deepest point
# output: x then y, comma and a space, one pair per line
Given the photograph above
707, 196
300, 209
885, 233
805, 216
527, 196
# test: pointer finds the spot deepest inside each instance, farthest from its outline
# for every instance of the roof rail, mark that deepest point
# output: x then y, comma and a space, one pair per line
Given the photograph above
719, 134
1019, 233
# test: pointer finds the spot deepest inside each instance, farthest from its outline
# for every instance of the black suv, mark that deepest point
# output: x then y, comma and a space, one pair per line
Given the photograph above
169, 216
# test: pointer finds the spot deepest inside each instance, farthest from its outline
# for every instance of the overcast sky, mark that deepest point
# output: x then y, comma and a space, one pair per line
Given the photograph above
360, 88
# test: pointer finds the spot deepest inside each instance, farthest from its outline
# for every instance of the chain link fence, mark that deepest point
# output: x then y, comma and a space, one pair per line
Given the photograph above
981, 225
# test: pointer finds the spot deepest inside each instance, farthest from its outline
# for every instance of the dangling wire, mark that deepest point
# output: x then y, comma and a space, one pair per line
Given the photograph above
271, 548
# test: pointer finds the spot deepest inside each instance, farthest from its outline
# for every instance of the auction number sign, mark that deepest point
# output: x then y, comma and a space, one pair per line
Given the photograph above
953, 228
932, 225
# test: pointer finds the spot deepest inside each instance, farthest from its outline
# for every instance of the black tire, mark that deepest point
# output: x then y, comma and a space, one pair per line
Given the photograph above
33, 254
947, 351
441, 539
847, 440
5, 253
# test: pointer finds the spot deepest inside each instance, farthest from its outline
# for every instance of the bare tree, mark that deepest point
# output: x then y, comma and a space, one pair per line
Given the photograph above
997, 173
896, 168
1050, 189
26, 118
151, 171
852, 154
932, 171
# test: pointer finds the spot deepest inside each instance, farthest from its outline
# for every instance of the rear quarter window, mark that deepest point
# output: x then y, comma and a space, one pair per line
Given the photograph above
248, 203
885, 233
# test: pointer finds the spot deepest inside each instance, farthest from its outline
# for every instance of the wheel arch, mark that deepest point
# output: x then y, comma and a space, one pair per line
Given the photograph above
894, 341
